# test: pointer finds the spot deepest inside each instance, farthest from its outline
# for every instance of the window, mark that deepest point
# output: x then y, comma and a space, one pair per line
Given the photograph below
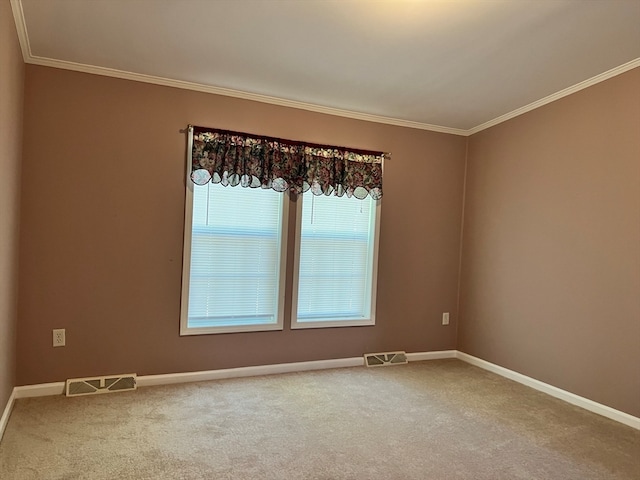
234, 253
336, 261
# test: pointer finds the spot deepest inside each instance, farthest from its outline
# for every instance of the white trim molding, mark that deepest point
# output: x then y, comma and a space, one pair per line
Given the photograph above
557, 96
57, 388
23, 37
21, 29
437, 355
4, 420
39, 390
556, 392
229, 92
171, 378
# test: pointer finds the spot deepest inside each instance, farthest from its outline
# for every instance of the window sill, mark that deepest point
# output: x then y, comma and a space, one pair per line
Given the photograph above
185, 331
365, 322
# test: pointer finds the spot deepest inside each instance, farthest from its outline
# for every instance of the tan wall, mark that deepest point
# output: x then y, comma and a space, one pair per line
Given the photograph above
551, 251
102, 219
11, 89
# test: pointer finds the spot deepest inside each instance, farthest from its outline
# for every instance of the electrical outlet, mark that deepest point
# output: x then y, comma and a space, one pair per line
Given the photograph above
59, 337
445, 318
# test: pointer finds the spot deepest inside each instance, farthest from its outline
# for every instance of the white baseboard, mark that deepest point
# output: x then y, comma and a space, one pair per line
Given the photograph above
556, 392
39, 390
57, 388
170, 378
7, 413
150, 380
438, 355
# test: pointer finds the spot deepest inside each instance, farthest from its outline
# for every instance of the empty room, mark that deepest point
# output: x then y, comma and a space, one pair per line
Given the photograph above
320, 239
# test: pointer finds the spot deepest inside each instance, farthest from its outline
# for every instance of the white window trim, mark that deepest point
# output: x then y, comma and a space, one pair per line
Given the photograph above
186, 268
295, 325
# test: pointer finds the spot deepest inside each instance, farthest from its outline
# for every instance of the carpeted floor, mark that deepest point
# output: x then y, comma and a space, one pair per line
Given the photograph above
436, 420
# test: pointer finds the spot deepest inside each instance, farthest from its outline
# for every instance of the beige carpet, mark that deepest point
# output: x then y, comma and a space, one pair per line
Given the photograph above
428, 420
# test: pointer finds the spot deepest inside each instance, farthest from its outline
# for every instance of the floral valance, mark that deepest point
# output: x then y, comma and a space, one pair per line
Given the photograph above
233, 158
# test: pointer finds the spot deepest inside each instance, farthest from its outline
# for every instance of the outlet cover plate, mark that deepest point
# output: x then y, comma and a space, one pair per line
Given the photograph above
59, 337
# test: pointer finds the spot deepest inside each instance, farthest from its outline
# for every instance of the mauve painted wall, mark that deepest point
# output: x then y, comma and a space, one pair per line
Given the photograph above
550, 284
102, 221
11, 90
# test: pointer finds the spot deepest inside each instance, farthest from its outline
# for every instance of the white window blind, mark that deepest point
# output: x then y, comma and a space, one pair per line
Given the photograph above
336, 262
236, 251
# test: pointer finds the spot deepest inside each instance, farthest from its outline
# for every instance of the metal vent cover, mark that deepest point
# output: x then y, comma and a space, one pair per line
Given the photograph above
385, 359
93, 385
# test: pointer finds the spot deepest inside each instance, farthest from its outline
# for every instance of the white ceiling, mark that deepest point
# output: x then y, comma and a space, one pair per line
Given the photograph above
452, 65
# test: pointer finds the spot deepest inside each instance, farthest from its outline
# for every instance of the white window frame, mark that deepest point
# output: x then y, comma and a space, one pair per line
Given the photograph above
295, 324
186, 268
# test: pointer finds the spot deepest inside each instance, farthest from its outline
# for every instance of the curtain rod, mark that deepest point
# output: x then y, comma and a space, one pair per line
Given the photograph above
385, 155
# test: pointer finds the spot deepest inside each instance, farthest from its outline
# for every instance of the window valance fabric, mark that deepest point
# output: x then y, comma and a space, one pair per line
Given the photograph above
234, 158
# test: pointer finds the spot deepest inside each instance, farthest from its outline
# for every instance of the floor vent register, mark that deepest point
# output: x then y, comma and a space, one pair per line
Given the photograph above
385, 359
94, 385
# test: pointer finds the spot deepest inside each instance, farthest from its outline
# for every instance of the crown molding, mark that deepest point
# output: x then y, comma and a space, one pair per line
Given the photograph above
558, 95
228, 92
23, 37
21, 29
